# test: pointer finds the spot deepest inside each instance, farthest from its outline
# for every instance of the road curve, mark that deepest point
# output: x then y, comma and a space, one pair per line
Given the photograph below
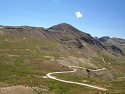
49, 75
97, 69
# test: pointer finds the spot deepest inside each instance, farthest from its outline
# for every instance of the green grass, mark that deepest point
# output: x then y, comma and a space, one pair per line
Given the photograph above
65, 88
19, 65
114, 65
112, 86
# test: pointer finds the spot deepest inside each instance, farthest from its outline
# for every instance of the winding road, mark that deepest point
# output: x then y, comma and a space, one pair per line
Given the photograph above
49, 75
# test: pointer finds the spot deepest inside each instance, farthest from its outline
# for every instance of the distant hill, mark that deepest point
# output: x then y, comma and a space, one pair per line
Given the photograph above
116, 45
104, 39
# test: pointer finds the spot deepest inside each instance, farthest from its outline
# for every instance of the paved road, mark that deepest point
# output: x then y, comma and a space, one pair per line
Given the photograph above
49, 75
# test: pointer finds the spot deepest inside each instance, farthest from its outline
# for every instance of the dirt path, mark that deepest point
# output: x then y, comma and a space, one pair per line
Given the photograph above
98, 69
49, 75
103, 59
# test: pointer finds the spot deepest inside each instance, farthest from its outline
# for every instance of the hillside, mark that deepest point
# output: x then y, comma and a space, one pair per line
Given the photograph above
115, 45
28, 53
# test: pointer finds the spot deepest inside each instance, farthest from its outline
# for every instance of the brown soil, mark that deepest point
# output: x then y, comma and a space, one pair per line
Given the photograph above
22, 90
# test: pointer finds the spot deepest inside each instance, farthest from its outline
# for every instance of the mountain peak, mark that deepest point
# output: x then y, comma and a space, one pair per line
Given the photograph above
104, 38
64, 27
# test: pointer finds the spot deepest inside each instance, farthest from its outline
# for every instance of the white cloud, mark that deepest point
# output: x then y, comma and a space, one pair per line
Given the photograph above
78, 14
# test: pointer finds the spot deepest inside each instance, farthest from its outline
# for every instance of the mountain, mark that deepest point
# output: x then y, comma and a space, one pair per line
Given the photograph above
104, 39
64, 27
115, 41
115, 45
28, 53
67, 35
61, 33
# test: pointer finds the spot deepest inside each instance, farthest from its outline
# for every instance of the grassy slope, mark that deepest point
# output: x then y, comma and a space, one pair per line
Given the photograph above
22, 64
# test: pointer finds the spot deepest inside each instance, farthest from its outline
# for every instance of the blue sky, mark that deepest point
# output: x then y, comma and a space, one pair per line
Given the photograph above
99, 17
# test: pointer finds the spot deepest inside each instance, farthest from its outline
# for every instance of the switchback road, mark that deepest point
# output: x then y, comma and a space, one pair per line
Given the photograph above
49, 75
